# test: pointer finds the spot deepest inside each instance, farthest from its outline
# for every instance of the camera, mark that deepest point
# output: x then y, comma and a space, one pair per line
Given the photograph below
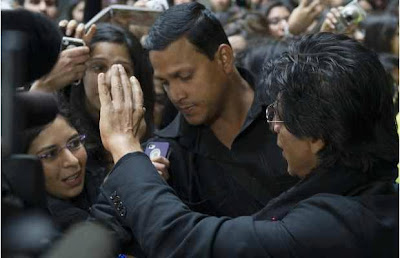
68, 42
352, 13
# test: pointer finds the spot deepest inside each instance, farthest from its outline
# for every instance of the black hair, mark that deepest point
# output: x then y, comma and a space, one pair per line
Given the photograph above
72, 98
272, 4
331, 87
190, 20
255, 54
28, 135
380, 30
42, 35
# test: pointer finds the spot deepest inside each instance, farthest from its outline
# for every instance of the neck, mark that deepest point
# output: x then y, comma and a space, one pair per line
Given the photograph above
234, 112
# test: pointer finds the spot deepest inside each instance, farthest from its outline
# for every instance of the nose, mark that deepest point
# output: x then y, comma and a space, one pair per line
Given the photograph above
42, 6
176, 92
68, 159
276, 127
283, 25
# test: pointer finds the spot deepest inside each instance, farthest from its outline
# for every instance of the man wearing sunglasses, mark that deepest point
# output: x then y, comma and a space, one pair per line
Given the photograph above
335, 123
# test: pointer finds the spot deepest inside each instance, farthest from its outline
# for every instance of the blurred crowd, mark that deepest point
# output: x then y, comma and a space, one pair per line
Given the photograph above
51, 109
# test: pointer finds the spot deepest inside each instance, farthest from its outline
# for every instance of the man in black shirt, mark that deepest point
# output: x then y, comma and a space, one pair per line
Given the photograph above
223, 154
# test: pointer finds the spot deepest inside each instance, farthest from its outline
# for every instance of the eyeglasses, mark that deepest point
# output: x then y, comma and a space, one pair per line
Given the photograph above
72, 145
272, 115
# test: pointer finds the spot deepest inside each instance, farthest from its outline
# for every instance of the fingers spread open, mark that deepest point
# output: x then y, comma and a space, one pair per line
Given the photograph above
89, 34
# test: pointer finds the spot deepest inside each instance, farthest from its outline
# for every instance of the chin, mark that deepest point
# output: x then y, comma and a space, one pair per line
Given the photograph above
193, 120
75, 192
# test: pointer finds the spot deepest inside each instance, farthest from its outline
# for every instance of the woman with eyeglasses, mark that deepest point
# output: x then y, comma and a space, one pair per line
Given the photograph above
71, 188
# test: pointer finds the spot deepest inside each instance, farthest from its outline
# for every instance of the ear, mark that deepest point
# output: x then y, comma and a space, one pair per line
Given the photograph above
224, 55
316, 145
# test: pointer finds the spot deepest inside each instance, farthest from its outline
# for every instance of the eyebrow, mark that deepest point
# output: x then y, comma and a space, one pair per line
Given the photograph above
105, 59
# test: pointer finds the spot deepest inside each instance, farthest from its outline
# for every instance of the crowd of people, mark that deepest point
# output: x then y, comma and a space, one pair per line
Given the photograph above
279, 117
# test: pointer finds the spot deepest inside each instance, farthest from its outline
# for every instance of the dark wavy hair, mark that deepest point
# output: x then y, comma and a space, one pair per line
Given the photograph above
331, 87
190, 20
72, 98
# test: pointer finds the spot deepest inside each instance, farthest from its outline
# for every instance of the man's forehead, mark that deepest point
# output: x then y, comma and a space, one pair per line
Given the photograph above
180, 55
181, 47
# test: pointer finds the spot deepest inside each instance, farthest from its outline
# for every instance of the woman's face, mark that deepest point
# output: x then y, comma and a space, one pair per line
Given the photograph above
277, 20
103, 55
77, 12
63, 158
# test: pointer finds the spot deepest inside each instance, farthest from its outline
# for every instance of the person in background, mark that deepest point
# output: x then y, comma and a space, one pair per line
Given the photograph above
47, 7
254, 56
381, 33
76, 11
277, 14
335, 124
110, 44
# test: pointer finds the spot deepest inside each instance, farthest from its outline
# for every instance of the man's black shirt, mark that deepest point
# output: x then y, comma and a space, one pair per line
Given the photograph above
212, 179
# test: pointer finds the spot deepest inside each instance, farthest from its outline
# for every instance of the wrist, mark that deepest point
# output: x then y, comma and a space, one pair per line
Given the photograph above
118, 150
41, 85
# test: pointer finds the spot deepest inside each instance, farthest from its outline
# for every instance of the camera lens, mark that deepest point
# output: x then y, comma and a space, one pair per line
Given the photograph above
348, 18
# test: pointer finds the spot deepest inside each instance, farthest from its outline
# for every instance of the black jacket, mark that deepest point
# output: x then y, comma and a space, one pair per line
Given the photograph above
335, 213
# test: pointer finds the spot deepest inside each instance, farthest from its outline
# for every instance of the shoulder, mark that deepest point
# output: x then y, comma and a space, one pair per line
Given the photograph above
328, 221
340, 208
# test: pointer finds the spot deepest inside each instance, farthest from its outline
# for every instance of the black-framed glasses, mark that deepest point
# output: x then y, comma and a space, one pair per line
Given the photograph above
74, 144
272, 115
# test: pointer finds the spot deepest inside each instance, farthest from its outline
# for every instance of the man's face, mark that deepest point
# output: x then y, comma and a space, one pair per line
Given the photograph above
46, 7
300, 153
196, 85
